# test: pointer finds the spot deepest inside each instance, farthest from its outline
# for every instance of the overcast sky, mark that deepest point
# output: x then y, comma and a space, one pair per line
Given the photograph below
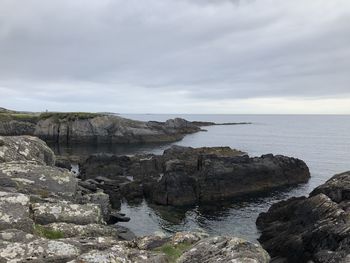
176, 56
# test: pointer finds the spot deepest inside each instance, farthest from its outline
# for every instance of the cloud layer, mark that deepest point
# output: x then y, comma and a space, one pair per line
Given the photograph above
176, 56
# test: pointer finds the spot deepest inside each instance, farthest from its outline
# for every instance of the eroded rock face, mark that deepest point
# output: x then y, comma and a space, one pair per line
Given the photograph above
46, 213
188, 176
25, 148
316, 228
225, 249
37, 179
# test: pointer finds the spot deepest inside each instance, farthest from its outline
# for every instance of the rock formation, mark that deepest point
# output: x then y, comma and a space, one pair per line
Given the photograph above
314, 229
93, 128
47, 216
188, 176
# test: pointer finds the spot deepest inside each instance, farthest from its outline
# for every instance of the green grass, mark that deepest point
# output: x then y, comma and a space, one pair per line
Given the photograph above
26, 117
173, 252
68, 116
47, 233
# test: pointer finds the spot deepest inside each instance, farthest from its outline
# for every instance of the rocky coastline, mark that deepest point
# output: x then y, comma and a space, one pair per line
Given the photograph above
50, 214
97, 128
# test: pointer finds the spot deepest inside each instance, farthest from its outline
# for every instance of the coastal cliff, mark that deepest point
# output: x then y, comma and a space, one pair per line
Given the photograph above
93, 128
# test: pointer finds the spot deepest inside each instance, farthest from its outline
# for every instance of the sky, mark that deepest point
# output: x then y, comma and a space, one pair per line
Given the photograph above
183, 56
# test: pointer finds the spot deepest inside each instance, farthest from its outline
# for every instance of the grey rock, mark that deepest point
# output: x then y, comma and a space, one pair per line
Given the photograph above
25, 148
38, 251
14, 212
90, 230
121, 253
16, 235
315, 229
225, 249
101, 199
46, 213
36, 179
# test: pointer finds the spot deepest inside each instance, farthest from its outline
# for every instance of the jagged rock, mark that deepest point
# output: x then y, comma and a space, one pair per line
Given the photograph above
14, 212
39, 251
86, 244
46, 213
36, 179
100, 199
15, 127
218, 178
188, 176
25, 148
315, 229
225, 249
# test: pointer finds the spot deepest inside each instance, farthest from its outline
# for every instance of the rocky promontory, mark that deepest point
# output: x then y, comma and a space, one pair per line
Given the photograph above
47, 216
310, 229
81, 127
188, 176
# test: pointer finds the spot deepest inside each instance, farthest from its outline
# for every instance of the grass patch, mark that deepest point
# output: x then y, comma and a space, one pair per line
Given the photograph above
173, 252
47, 233
25, 117
68, 116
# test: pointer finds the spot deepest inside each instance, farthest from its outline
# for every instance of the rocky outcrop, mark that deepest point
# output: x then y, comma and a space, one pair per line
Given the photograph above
314, 229
93, 128
188, 176
25, 148
225, 249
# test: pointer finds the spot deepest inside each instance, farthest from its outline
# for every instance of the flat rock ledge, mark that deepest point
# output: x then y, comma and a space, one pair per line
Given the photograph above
310, 229
45, 216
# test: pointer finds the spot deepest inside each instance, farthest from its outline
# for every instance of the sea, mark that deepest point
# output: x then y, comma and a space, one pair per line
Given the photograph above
322, 141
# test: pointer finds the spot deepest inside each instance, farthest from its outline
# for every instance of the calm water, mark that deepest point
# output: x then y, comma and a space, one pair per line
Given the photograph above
322, 141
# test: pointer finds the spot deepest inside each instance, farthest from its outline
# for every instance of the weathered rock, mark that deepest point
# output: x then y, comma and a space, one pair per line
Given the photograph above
101, 199
187, 176
90, 230
121, 253
16, 127
25, 148
39, 251
46, 213
36, 179
316, 228
225, 249
14, 212
218, 178
15, 235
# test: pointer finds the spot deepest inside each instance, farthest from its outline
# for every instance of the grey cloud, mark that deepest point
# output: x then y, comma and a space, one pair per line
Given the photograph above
58, 52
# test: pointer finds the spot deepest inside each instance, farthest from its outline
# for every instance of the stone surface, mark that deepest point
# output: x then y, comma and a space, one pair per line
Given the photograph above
37, 179
25, 148
187, 176
316, 228
46, 213
225, 249
39, 251
121, 253
89, 230
14, 212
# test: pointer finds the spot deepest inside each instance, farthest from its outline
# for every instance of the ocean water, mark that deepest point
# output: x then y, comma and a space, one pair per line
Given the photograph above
322, 141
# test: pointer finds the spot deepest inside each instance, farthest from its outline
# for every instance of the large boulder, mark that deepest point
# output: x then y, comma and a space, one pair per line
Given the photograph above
315, 229
14, 212
36, 179
25, 148
225, 249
